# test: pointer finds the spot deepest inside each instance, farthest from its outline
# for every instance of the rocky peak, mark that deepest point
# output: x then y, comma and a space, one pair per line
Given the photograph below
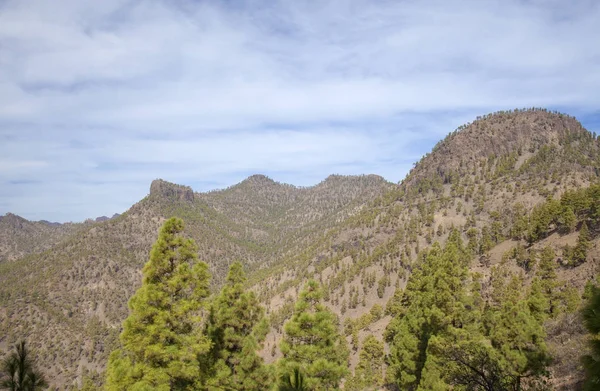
163, 189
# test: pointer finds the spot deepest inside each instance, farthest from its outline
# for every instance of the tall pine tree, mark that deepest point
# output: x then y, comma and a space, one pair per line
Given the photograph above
514, 322
435, 302
312, 342
162, 338
582, 246
235, 320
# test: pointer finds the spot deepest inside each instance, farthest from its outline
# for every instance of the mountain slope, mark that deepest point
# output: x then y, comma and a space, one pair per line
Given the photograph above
20, 237
359, 236
459, 185
72, 298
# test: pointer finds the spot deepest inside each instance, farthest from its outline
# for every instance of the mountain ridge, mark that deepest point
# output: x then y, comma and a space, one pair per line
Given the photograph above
360, 237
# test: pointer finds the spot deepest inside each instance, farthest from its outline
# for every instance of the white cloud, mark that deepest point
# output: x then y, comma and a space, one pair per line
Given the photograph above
116, 93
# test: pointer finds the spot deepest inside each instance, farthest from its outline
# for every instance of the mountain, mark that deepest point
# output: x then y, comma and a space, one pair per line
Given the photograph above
20, 237
105, 218
360, 236
73, 297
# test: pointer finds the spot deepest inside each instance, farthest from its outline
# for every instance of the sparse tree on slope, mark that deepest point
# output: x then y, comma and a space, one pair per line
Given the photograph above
162, 337
236, 317
582, 246
312, 342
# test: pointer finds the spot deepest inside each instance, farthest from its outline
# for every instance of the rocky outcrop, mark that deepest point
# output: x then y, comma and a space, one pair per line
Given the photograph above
167, 190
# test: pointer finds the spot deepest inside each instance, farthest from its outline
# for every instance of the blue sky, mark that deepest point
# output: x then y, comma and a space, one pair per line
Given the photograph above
99, 98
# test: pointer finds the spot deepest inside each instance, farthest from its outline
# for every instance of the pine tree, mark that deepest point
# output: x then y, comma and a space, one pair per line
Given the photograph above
235, 320
476, 366
472, 244
162, 338
567, 219
591, 362
18, 373
581, 248
546, 282
369, 371
312, 342
486, 241
516, 333
435, 303
539, 305
547, 269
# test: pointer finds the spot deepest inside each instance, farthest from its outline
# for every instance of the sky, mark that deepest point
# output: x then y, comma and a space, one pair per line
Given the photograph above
98, 98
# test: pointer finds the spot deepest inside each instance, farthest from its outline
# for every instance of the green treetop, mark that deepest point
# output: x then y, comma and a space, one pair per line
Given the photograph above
313, 344
582, 246
435, 303
516, 330
235, 320
548, 283
162, 338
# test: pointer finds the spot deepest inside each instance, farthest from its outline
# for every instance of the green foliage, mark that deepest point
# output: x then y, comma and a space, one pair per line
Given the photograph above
514, 330
161, 341
312, 342
439, 337
591, 320
288, 235
434, 302
18, 372
88, 385
381, 284
394, 305
486, 242
538, 302
522, 257
376, 312
574, 205
581, 248
369, 371
473, 244
234, 322
547, 282
292, 382
474, 365
568, 219
540, 218
570, 299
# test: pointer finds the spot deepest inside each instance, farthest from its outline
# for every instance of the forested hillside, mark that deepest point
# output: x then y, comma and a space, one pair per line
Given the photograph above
479, 258
72, 298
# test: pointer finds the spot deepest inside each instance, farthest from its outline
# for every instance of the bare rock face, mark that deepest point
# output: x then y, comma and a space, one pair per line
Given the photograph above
163, 189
